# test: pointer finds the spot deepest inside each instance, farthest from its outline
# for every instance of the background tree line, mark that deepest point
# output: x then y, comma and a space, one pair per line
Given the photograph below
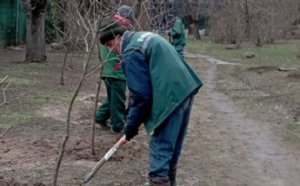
235, 21
73, 22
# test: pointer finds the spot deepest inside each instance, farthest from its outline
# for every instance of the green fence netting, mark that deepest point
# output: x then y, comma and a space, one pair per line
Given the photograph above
12, 22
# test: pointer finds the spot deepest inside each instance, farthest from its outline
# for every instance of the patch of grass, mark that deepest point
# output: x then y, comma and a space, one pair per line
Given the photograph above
25, 97
26, 111
34, 85
9, 117
52, 95
20, 69
293, 132
38, 174
22, 81
234, 84
82, 105
256, 85
274, 54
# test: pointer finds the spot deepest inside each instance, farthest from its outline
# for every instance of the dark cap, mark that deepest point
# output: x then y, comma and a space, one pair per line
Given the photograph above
170, 17
109, 29
125, 11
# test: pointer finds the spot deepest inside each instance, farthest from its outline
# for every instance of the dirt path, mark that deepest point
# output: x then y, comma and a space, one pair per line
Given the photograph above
224, 147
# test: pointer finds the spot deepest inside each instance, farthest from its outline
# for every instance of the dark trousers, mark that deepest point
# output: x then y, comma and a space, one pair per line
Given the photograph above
180, 49
113, 106
167, 141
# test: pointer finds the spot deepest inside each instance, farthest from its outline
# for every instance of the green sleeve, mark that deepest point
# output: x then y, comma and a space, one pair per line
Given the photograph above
176, 29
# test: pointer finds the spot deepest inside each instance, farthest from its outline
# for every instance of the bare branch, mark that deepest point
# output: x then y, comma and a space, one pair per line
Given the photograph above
3, 80
67, 131
5, 132
4, 89
62, 82
4, 95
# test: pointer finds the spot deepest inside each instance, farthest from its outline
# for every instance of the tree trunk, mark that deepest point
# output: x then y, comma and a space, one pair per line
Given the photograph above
196, 29
258, 42
247, 19
35, 31
190, 29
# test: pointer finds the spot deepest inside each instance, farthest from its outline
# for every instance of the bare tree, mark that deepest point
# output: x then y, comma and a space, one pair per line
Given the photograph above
262, 21
158, 10
227, 21
82, 19
81, 32
35, 30
270, 19
193, 9
67, 133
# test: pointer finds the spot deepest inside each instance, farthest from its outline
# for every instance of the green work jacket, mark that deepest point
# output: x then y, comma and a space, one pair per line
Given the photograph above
172, 79
177, 33
112, 67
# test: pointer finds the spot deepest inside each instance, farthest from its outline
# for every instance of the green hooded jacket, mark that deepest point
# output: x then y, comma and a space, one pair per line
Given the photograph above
177, 33
172, 79
112, 67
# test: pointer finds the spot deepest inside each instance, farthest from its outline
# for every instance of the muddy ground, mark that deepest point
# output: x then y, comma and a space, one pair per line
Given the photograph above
229, 143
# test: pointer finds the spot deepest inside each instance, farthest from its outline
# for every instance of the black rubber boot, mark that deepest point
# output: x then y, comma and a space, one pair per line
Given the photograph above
158, 181
172, 177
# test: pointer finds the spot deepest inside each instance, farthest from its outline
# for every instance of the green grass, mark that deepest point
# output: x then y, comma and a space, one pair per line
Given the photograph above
22, 81
23, 68
25, 110
26, 94
32, 86
293, 132
258, 93
37, 174
273, 54
10, 118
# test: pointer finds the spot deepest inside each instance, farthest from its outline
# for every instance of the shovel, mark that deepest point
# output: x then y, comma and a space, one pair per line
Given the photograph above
106, 157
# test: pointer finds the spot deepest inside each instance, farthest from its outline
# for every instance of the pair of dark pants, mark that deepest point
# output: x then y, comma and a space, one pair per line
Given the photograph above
113, 105
180, 49
167, 141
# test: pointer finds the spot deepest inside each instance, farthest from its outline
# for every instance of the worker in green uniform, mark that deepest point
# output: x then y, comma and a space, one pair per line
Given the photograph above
162, 87
113, 106
176, 32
